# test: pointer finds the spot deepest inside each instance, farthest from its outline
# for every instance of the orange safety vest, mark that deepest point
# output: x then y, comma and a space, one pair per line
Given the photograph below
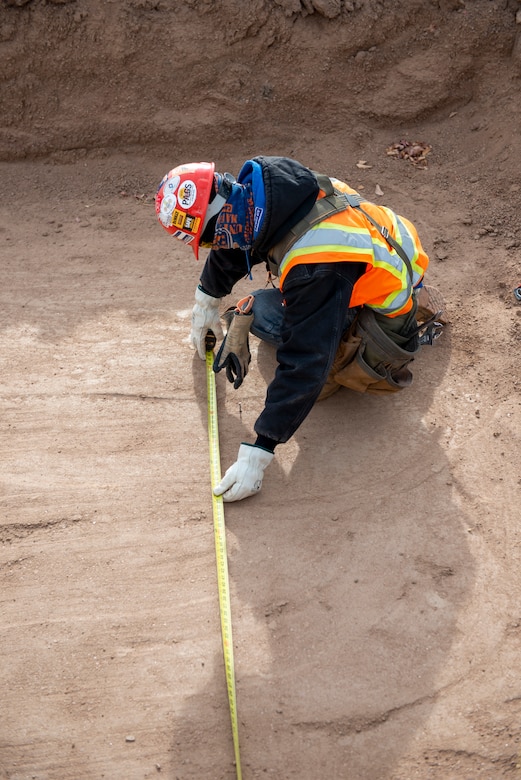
348, 236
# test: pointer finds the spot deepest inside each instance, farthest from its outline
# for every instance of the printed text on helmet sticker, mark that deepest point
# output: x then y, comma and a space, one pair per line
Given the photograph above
187, 194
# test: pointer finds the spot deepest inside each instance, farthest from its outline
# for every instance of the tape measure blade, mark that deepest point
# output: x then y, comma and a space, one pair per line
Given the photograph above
222, 559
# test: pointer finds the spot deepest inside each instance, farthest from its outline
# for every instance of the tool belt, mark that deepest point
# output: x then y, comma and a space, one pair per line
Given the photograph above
369, 360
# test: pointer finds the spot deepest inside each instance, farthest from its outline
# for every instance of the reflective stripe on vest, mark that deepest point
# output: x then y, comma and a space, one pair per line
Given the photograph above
349, 237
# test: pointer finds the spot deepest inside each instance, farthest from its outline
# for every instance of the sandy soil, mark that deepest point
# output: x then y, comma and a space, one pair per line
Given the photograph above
375, 580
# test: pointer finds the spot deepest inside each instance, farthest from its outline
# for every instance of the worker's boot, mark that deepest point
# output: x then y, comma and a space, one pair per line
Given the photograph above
430, 304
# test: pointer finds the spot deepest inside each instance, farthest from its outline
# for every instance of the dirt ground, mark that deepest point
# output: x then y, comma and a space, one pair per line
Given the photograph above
375, 580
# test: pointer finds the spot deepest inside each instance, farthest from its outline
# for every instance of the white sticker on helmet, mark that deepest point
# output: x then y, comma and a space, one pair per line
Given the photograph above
166, 210
187, 194
171, 184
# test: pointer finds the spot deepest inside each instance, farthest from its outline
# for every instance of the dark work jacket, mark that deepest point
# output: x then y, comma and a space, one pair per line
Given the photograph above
316, 300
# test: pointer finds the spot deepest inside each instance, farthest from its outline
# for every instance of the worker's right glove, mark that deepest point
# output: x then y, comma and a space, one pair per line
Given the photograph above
245, 477
234, 354
205, 317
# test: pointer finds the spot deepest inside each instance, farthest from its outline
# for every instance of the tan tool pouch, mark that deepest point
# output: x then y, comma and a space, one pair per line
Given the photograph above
369, 361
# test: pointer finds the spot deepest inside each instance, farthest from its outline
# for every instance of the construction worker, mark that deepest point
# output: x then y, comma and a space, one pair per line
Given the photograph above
346, 309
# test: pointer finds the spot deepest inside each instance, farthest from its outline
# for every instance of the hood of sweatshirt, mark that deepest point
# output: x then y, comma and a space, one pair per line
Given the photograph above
286, 194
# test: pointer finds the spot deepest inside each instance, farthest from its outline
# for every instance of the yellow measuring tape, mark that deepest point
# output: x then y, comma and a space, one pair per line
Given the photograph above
220, 548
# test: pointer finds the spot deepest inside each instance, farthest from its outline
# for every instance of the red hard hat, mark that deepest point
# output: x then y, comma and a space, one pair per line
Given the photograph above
182, 201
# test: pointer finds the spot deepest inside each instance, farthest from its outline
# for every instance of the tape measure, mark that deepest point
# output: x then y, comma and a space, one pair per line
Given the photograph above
220, 548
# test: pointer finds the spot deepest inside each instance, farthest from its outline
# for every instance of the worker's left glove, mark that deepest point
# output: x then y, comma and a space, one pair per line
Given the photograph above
234, 354
245, 477
205, 317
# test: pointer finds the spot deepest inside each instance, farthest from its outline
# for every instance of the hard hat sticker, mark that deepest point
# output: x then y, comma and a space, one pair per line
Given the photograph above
168, 205
184, 237
187, 194
192, 223
184, 221
172, 184
178, 218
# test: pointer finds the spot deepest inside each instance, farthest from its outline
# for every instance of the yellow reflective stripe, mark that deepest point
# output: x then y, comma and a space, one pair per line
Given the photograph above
400, 273
403, 233
331, 225
359, 254
329, 248
396, 298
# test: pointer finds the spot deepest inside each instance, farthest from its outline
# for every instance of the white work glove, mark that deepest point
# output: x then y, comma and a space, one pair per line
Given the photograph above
205, 317
244, 478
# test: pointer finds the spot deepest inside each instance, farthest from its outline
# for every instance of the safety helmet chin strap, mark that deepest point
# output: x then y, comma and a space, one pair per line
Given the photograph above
223, 193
